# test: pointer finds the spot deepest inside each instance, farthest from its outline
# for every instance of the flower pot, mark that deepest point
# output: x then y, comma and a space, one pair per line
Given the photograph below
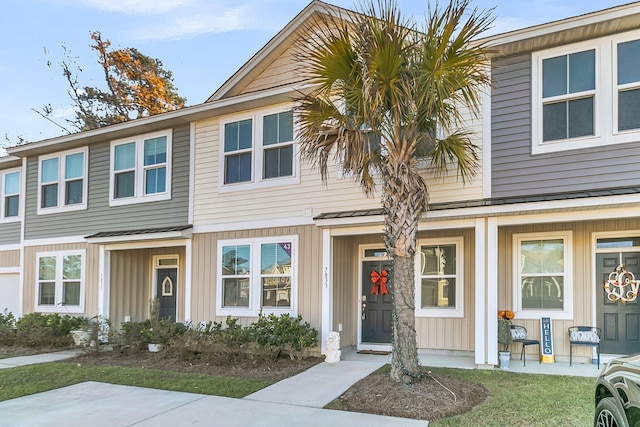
504, 357
81, 338
154, 348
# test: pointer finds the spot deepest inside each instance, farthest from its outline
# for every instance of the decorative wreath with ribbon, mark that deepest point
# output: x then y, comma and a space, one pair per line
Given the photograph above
379, 282
621, 285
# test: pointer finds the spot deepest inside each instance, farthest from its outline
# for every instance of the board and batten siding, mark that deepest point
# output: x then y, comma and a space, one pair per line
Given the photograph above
10, 233
585, 286
99, 216
279, 73
304, 200
9, 258
204, 271
132, 284
516, 172
91, 276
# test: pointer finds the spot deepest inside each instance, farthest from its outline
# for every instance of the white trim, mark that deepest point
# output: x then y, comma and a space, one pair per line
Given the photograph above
10, 270
61, 182
188, 274
155, 266
255, 284
13, 247
3, 196
491, 253
437, 312
566, 313
605, 96
146, 245
192, 163
183, 234
257, 149
486, 139
480, 292
22, 234
58, 307
139, 195
65, 240
327, 289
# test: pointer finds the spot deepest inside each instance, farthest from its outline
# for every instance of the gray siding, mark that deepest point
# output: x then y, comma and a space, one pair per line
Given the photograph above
10, 233
515, 172
99, 216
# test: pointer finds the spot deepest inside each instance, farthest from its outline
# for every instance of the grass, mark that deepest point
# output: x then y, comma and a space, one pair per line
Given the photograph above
26, 380
517, 399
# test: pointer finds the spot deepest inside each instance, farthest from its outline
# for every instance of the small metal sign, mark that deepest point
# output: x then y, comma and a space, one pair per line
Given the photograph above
547, 341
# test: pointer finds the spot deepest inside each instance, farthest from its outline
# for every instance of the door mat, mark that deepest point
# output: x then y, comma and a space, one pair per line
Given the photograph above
376, 352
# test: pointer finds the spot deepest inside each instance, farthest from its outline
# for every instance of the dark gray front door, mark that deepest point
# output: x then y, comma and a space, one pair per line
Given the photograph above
167, 288
620, 322
377, 305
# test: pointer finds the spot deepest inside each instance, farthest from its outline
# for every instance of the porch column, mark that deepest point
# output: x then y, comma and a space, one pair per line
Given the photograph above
486, 291
327, 288
104, 265
187, 278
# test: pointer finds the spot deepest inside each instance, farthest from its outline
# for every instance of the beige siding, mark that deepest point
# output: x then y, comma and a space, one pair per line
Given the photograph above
583, 281
279, 73
91, 276
301, 201
9, 259
131, 281
203, 289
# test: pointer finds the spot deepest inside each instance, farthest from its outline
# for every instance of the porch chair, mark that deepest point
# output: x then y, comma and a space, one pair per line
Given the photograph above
519, 334
586, 336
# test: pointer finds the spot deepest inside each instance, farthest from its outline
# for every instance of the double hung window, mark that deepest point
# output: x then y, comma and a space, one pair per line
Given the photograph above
141, 169
62, 181
257, 150
60, 282
257, 275
10, 192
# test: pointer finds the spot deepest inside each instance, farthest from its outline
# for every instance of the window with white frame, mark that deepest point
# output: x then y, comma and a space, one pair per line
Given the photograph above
62, 183
60, 281
257, 275
141, 169
439, 291
258, 150
10, 193
543, 280
577, 87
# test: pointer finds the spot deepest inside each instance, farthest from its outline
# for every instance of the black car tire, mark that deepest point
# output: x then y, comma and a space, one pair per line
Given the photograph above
608, 414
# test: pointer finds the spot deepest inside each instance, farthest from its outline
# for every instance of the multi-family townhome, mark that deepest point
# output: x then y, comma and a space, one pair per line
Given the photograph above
211, 210
11, 202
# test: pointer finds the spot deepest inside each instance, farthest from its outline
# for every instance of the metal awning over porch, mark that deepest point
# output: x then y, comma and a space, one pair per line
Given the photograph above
164, 233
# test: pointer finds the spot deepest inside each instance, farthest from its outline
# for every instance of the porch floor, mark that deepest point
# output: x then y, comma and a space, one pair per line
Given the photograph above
467, 362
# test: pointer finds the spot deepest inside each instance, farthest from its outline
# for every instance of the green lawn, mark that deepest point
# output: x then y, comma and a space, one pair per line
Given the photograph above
526, 400
22, 381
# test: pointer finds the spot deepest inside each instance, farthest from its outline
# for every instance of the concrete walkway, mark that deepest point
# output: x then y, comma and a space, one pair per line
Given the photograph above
13, 362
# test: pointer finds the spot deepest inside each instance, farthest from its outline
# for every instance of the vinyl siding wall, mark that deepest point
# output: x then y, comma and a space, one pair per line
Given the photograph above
9, 258
516, 172
99, 216
10, 233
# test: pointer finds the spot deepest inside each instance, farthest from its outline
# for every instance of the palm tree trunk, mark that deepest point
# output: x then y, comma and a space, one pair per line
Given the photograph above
403, 202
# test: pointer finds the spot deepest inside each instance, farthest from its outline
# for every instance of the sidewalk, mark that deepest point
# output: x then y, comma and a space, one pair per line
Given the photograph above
13, 362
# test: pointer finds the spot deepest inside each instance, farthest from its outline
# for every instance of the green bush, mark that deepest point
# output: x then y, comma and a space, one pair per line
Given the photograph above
284, 334
7, 329
46, 330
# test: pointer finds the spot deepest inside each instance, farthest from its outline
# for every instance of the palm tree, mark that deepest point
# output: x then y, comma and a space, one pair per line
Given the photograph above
386, 93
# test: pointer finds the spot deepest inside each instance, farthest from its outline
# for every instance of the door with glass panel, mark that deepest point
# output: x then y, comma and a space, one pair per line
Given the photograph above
167, 287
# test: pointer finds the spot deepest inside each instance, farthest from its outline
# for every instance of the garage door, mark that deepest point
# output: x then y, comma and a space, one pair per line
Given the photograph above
10, 292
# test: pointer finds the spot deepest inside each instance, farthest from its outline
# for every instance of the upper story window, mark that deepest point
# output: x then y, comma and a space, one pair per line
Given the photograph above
60, 282
62, 183
141, 169
586, 94
10, 193
543, 282
257, 150
440, 290
257, 275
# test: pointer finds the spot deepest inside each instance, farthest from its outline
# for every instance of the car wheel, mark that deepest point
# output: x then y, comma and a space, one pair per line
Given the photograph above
608, 414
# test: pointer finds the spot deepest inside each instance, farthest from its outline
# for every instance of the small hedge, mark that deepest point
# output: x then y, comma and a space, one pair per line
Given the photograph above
38, 330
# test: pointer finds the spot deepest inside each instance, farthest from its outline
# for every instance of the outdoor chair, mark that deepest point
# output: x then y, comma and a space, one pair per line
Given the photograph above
586, 336
519, 334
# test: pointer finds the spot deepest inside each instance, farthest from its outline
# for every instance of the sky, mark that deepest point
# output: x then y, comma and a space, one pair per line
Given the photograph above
202, 42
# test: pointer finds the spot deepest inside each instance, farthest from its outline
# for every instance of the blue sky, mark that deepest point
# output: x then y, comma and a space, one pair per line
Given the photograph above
203, 42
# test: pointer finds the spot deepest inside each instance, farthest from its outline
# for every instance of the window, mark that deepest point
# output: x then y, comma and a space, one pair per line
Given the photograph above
60, 282
141, 169
10, 192
258, 151
62, 183
586, 94
543, 275
257, 275
439, 292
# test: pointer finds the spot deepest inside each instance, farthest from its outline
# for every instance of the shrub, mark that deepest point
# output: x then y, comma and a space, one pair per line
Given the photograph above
46, 330
284, 334
7, 328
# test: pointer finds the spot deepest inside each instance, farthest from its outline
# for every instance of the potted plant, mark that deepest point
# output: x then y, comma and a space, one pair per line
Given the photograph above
154, 332
504, 337
82, 331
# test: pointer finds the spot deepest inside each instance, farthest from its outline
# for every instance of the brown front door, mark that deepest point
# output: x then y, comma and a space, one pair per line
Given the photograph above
377, 305
620, 322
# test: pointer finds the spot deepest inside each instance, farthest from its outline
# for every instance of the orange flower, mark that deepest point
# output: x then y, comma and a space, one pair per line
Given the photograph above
506, 314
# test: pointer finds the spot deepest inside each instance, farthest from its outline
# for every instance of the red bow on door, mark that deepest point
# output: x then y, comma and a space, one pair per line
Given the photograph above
379, 282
